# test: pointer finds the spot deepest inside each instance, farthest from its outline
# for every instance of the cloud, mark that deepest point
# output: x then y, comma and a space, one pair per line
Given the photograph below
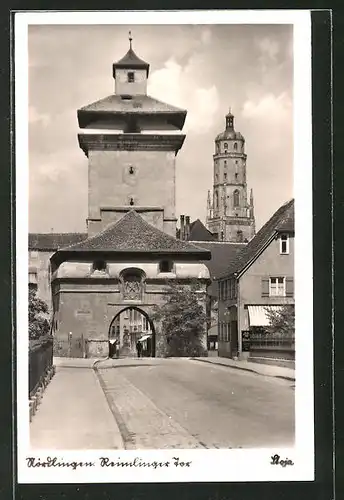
274, 110
269, 48
206, 36
176, 84
38, 118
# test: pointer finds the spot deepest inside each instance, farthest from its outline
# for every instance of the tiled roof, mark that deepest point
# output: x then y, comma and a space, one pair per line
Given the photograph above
53, 241
133, 104
282, 220
131, 60
198, 232
222, 256
133, 234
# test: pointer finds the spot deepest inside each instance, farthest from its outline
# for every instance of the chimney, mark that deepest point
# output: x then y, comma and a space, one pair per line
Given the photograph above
182, 228
187, 227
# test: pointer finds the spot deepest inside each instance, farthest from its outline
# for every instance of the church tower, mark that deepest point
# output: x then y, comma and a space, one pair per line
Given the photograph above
131, 163
230, 214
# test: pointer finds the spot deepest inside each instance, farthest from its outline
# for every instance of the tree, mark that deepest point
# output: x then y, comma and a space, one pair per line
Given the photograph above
183, 321
282, 321
38, 316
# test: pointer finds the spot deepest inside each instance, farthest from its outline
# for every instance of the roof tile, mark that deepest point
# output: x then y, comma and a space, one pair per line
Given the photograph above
53, 241
133, 234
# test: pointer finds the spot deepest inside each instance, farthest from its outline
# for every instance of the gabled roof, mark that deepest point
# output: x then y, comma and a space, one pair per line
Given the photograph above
53, 241
198, 232
130, 61
281, 221
132, 234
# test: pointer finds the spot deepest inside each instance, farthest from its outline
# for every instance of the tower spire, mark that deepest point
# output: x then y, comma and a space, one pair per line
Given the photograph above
130, 39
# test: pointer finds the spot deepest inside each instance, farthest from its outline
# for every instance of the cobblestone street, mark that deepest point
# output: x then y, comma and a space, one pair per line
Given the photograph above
167, 403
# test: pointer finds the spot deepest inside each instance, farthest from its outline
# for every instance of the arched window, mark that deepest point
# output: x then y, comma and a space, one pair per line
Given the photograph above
236, 199
235, 146
225, 146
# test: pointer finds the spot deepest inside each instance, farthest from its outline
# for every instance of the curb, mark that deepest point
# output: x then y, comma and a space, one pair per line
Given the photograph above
284, 377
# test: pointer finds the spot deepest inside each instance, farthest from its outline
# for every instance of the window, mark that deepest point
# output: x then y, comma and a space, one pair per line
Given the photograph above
225, 145
236, 200
277, 287
131, 201
225, 176
99, 265
131, 170
225, 163
165, 266
236, 176
131, 77
284, 244
222, 235
235, 146
216, 199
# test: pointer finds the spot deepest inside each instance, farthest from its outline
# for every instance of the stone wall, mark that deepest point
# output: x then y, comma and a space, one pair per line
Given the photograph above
153, 172
85, 307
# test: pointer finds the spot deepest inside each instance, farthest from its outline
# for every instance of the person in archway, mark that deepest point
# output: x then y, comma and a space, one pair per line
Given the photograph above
116, 346
139, 349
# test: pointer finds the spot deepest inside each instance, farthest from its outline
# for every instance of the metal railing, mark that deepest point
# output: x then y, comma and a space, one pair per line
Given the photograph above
40, 361
259, 340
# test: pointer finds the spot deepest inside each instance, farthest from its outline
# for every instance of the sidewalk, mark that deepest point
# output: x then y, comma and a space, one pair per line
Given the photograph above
261, 369
74, 413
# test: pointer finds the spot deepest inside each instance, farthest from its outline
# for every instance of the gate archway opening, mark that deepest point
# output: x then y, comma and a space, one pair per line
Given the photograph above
130, 326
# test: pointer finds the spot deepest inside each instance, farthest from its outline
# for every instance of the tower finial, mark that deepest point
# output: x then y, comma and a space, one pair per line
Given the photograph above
130, 38
230, 110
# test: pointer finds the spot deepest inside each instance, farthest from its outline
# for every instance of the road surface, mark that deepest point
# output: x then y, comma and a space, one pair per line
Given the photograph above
183, 403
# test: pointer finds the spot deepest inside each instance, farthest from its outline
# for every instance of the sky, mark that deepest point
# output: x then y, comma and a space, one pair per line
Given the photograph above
205, 69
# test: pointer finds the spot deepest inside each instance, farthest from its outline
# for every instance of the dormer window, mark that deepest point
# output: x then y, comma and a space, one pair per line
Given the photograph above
284, 244
131, 77
165, 266
235, 145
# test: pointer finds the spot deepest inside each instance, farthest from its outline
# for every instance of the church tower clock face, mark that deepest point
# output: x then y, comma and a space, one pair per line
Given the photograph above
230, 212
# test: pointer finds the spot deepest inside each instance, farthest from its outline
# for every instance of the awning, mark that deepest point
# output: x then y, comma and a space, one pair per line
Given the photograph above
258, 315
145, 337
212, 331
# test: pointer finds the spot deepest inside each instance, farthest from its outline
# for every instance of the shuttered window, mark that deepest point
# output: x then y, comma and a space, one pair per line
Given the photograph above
289, 287
265, 287
277, 287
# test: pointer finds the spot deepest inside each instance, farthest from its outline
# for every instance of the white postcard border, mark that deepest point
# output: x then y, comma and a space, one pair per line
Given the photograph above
206, 465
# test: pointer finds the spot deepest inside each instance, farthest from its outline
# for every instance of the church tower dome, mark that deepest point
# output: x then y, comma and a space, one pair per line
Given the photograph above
231, 215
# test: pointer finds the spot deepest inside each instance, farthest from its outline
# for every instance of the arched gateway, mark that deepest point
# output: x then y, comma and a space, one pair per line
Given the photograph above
130, 326
131, 248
